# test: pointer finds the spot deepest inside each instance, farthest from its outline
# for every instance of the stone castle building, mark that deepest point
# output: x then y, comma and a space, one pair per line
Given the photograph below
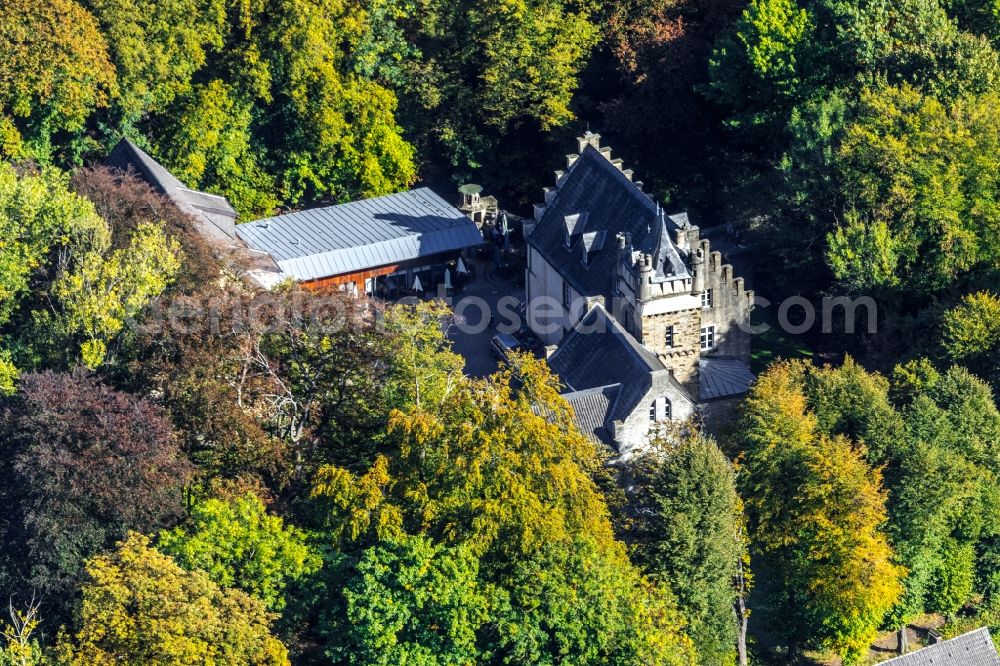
638, 304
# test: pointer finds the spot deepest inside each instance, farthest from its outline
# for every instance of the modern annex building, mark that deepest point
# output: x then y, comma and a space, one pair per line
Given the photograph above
385, 244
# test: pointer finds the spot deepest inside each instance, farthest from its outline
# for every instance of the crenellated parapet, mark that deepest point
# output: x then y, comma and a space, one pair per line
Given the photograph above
668, 288
711, 272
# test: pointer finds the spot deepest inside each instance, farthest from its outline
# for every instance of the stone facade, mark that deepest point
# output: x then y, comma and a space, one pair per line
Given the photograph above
598, 239
670, 316
633, 432
710, 297
675, 337
731, 302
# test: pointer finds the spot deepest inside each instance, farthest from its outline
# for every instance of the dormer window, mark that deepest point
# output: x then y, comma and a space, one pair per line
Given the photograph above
591, 243
573, 226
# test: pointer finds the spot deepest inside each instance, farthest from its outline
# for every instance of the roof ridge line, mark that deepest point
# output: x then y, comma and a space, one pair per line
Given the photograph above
633, 189
595, 389
634, 346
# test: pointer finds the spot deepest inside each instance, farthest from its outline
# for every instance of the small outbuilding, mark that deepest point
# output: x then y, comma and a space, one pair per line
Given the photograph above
974, 648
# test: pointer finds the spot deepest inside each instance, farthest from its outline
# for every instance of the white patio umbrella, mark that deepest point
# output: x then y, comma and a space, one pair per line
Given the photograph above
447, 278
416, 284
461, 266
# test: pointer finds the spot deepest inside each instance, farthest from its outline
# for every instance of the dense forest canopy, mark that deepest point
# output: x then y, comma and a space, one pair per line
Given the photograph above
267, 492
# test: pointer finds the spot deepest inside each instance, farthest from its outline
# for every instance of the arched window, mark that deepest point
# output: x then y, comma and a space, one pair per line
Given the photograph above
660, 410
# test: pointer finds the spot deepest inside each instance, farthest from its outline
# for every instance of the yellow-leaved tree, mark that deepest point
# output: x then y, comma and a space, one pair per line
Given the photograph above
816, 511
108, 287
491, 479
140, 608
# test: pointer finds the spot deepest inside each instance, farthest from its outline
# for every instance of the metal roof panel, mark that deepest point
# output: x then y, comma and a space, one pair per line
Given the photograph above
361, 234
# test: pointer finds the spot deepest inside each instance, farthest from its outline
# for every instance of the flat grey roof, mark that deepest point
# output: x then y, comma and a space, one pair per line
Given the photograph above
359, 235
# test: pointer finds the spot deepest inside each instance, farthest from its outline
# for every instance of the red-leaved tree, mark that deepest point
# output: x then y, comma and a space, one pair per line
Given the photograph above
84, 464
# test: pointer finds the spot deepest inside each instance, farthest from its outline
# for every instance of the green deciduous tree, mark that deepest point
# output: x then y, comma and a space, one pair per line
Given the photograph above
850, 401
483, 475
922, 178
208, 142
425, 372
532, 51
932, 491
933, 433
416, 603
238, 544
156, 48
322, 131
812, 88
816, 511
757, 70
580, 599
942, 488
39, 217
863, 255
54, 71
68, 284
972, 327
44, 224
106, 288
971, 334
485, 70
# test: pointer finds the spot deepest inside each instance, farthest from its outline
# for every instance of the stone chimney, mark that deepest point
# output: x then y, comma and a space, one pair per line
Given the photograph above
588, 139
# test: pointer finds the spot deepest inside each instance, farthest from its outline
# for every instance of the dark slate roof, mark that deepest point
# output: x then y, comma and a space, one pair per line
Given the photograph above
591, 411
722, 377
598, 353
974, 648
362, 234
595, 202
216, 218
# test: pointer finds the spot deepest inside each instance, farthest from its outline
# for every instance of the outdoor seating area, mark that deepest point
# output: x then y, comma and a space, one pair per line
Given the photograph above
427, 281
